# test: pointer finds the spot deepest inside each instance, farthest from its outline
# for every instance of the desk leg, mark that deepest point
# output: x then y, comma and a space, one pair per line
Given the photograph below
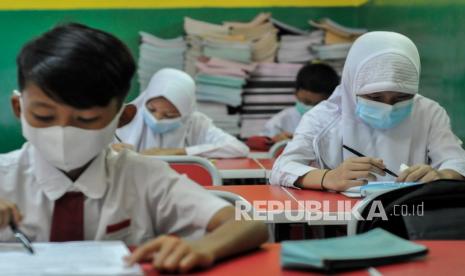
282, 232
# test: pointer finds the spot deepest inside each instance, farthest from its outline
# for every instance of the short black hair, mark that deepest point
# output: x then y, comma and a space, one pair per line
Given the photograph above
77, 65
318, 78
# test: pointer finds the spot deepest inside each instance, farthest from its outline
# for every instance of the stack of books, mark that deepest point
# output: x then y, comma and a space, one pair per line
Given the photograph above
337, 41
261, 34
297, 48
219, 83
224, 117
270, 89
156, 54
220, 57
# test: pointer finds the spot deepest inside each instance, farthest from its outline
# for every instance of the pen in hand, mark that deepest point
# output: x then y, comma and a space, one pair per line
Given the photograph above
117, 138
20, 236
361, 155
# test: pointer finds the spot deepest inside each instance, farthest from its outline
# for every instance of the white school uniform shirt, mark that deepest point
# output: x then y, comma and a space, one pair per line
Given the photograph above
377, 61
197, 134
284, 121
117, 188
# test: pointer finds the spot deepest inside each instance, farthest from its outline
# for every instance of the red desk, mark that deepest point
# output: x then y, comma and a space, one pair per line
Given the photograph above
267, 164
293, 200
335, 206
444, 258
260, 195
239, 168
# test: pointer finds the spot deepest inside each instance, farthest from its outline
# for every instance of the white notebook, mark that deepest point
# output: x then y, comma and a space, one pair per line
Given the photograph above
375, 188
68, 258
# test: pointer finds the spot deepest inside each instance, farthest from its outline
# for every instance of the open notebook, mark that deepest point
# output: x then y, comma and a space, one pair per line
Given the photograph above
375, 188
376, 247
67, 258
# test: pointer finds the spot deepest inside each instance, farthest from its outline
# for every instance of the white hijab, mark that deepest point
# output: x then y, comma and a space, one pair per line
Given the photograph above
177, 87
377, 61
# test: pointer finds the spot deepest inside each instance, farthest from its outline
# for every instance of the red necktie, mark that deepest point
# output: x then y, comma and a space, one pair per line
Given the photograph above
68, 218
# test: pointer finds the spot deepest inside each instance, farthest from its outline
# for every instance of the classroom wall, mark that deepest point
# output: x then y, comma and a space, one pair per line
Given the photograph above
17, 27
436, 27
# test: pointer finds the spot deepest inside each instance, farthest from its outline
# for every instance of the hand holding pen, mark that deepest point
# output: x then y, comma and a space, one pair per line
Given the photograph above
361, 155
9, 212
355, 171
10, 216
21, 237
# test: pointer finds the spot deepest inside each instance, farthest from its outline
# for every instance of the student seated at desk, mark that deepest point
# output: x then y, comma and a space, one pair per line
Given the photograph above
377, 111
67, 184
314, 83
166, 122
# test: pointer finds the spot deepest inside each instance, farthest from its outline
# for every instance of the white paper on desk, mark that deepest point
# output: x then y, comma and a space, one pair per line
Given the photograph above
375, 188
68, 258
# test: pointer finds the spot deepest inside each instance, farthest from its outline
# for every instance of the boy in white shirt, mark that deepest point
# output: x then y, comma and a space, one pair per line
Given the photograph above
66, 184
314, 83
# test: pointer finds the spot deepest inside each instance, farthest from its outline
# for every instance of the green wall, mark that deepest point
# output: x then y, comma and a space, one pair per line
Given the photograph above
437, 30
17, 27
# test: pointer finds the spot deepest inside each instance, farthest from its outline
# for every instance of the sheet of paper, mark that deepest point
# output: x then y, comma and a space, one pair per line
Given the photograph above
375, 188
69, 258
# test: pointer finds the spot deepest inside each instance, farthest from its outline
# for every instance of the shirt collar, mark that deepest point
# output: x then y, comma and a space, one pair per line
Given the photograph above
92, 182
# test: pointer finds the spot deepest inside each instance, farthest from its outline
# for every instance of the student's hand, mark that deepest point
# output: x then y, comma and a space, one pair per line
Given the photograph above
419, 173
282, 136
122, 146
352, 172
166, 151
172, 254
7, 210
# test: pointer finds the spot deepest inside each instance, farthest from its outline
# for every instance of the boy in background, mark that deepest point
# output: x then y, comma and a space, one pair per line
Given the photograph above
314, 84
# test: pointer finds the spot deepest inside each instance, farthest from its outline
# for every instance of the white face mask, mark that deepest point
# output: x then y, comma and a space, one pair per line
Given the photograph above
68, 148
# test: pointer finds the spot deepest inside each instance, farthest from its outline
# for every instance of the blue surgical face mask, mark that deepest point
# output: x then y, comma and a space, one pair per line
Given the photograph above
160, 126
302, 108
383, 116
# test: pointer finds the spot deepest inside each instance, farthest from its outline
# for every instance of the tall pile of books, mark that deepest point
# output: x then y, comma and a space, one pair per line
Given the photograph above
337, 41
260, 33
269, 90
220, 57
239, 85
297, 48
156, 53
295, 43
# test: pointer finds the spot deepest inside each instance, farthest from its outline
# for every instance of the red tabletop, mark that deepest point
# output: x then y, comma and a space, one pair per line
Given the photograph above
324, 208
267, 163
300, 205
330, 198
236, 164
239, 168
253, 193
444, 258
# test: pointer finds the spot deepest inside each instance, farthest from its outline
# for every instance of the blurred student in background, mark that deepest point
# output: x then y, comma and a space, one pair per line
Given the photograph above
314, 84
167, 123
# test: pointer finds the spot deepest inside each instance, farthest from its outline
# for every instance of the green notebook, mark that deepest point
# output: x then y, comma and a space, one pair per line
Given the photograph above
372, 248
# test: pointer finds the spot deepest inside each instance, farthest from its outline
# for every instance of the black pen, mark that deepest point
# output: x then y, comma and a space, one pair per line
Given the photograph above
21, 237
361, 155
117, 138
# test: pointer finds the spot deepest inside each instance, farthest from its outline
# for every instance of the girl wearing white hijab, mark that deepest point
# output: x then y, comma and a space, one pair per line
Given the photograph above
376, 111
166, 122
